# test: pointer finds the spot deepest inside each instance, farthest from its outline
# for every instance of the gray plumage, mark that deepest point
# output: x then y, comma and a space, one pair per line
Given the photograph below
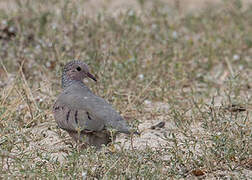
85, 116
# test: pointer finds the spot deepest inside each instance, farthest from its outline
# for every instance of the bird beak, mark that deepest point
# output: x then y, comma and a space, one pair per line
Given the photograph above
91, 76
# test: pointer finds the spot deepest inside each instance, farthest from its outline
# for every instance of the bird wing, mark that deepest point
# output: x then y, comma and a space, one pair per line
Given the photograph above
80, 108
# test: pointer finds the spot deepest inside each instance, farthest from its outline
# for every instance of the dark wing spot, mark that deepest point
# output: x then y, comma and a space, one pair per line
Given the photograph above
56, 107
76, 117
88, 116
68, 114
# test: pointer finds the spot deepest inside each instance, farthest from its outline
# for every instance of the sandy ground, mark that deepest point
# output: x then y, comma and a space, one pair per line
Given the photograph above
50, 139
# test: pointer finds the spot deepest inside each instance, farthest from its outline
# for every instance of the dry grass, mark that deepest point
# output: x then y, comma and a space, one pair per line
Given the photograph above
191, 70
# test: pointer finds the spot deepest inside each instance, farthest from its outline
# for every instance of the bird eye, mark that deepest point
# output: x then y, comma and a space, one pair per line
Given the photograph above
78, 68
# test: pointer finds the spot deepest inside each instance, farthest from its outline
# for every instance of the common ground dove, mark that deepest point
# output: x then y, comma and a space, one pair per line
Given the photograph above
86, 117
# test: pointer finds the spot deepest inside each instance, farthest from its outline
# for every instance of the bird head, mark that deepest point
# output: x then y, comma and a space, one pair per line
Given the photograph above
77, 70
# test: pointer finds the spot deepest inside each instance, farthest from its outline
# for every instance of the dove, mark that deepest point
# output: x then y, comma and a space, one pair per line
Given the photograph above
87, 117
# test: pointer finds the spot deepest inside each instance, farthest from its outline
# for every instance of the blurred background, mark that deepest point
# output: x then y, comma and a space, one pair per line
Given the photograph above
186, 64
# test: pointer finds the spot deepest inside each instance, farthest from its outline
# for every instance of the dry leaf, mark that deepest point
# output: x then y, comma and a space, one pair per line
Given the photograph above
198, 172
236, 108
159, 125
